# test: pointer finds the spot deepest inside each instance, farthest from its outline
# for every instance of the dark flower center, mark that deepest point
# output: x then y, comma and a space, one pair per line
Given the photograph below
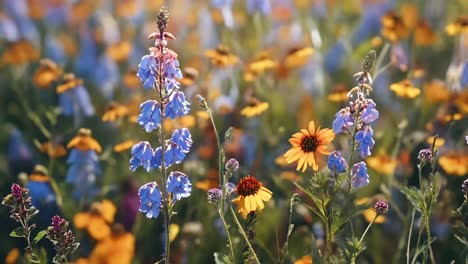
309, 144
248, 186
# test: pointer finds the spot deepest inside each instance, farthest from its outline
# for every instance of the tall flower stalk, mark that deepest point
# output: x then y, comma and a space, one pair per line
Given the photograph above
159, 71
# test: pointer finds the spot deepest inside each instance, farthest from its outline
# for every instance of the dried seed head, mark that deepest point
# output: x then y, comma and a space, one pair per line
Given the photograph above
163, 18
369, 60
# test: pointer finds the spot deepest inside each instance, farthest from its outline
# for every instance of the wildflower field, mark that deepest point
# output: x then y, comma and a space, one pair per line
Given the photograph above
233, 131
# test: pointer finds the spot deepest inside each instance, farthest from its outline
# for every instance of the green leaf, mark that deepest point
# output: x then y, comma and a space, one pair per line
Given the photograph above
415, 197
220, 258
39, 236
18, 232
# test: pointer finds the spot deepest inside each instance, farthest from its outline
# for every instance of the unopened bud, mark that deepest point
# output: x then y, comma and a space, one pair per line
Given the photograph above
381, 207
232, 165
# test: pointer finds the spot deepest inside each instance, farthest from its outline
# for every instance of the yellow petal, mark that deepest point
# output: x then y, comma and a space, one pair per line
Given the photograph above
312, 127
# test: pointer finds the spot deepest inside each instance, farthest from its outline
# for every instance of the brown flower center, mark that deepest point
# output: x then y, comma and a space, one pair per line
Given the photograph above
309, 143
248, 186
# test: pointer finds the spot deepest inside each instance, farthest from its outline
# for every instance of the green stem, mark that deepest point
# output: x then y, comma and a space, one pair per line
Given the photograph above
220, 162
428, 233
226, 228
355, 255
380, 58
241, 230
408, 246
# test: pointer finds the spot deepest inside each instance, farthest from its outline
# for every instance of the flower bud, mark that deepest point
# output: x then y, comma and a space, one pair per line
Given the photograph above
232, 165
214, 195
381, 207
425, 155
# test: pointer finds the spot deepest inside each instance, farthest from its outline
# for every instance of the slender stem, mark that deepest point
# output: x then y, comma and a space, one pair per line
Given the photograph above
428, 233
220, 162
327, 226
367, 229
417, 244
241, 230
226, 228
166, 203
380, 58
408, 245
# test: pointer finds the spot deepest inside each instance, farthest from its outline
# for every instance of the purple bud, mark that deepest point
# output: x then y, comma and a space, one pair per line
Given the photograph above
381, 207
232, 165
214, 195
425, 155
230, 188
16, 191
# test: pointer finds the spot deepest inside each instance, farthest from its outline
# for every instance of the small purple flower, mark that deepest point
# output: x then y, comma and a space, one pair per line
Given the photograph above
150, 115
369, 114
365, 140
17, 191
343, 121
381, 207
177, 105
214, 195
425, 155
179, 185
232, 165
399, 57
57, 223
147, 71
336, 163
142, 155
360, 178
150, 200
230, 188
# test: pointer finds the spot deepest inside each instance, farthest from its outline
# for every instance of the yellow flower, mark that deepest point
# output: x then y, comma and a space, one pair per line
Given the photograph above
255, 108
393, 27
221, 56
304, 260
405, 89
436, 92
438, 143
97, 220
258, 66
409, 15
118, 248
298, 57
339, 94
187, 121
19, 52
39, 174
84, 142
119, 51
189, 76
124, 145
114, 111
69, 82
454, 163
12, 256
424, 35
459, 26
131, 80
461, 101
252, 194
47, 73
307, 144
53, 149
370, 213
382, 163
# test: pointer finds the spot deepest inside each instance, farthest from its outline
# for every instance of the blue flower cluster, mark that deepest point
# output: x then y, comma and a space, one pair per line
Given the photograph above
358, 115
82, 173
336, 163
160, 71
360, 178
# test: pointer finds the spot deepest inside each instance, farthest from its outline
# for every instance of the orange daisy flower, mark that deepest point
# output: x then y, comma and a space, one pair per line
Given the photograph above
306, 144
252, 194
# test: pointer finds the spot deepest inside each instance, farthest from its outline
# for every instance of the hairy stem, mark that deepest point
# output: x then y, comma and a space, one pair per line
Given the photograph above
244, 235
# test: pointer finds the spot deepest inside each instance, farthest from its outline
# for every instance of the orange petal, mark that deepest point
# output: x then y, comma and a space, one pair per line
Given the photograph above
312, 127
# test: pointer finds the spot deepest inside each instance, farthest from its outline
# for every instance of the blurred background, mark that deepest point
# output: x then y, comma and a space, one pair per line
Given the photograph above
266, 68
